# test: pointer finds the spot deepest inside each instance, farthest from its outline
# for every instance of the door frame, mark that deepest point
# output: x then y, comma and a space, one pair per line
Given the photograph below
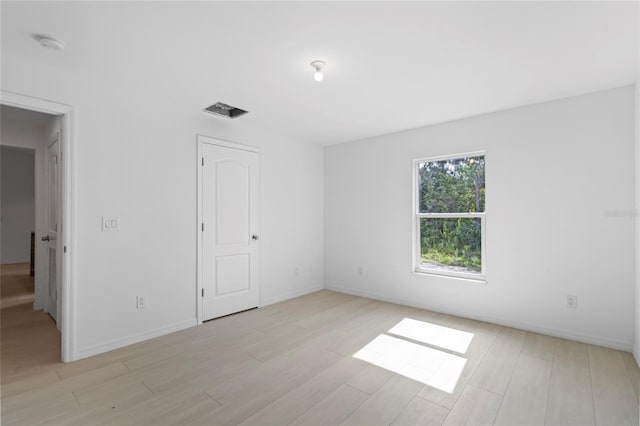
202, 140
68, 209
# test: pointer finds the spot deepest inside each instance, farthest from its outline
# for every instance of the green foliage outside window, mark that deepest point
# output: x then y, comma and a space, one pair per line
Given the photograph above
452, 186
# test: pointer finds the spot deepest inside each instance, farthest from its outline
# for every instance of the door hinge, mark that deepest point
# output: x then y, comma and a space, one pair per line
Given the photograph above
203, 161
64, 249
202, 226
203, 292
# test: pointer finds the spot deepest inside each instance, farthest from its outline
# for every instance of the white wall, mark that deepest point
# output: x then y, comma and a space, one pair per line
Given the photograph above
136, 159
17, 204
17, 130
560, 186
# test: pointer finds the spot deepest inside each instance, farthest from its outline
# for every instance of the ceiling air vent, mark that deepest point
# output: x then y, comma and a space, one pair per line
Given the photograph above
225, 110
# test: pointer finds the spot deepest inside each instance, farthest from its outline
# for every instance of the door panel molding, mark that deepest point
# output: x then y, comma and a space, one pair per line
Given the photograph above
226, 195
228, 282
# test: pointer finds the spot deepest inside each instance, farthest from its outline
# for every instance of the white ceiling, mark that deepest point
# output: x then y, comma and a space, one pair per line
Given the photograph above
391, 65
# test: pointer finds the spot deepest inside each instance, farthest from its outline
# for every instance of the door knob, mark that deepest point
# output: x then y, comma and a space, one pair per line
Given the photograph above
45, 238
254, 237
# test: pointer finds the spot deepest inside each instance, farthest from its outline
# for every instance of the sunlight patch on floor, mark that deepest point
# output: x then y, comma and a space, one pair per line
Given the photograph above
407, 353
432, 367
434, 335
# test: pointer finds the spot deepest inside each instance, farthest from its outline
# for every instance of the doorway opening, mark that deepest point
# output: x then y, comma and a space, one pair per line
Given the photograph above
17, 224
36, 231
28, 259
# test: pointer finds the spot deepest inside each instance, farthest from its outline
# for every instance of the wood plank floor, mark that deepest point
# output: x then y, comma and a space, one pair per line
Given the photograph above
17, 285
317, 360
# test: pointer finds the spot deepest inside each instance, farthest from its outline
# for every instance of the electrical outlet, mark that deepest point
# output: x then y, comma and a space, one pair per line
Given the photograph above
360, 271
141, 302
572, 301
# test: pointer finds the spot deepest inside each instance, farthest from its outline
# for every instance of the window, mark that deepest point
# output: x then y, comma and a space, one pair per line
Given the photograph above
450, 216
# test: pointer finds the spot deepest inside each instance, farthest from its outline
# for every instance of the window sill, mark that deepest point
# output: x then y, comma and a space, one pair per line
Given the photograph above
475, 279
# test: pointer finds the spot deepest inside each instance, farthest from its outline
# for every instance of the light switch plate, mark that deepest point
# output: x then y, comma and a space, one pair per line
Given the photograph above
110, 223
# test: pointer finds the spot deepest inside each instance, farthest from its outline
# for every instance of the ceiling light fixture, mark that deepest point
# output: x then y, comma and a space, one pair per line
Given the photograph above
318, 66
50, 43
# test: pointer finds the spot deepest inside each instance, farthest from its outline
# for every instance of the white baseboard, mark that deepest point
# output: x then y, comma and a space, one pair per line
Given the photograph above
555, 332
130, 340
290, 295
636, 352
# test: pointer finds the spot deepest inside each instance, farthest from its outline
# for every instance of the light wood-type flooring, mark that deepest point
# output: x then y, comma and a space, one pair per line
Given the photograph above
17, 285
325, 358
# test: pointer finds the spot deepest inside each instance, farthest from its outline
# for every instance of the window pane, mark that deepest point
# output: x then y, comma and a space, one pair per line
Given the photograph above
451, 186
451, 244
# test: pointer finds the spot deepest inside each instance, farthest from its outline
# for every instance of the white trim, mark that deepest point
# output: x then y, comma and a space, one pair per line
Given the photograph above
68, 204
33, 104
260, 192
134, 338
469, 215
227, 144
415, 209
450, 157
199, 221
534, 328
291, 294
200, 140
472, 278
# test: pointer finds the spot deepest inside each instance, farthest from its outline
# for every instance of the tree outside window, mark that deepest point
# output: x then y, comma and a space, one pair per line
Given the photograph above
450, 215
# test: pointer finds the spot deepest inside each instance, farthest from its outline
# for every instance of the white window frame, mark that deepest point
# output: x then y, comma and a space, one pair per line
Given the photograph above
417, 255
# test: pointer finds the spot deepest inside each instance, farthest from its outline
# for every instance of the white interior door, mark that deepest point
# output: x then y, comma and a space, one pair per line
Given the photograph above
230, 237
52, 304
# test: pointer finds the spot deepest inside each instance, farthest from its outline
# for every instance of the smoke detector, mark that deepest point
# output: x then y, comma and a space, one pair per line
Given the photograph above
224, 110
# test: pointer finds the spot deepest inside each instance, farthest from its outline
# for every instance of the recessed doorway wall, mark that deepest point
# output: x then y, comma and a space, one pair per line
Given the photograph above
35, 124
